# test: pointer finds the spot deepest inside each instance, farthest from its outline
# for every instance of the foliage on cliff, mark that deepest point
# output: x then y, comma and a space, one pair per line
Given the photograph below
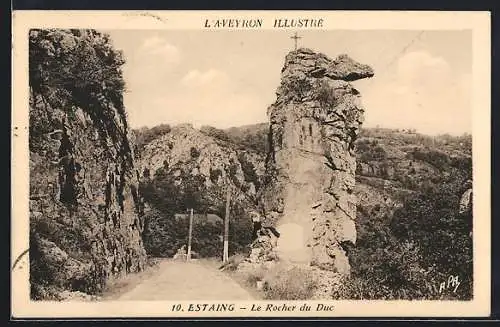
85, 213
72, 69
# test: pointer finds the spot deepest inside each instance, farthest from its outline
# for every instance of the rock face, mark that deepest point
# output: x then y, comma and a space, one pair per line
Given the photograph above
85, 210
311, 165
186, 150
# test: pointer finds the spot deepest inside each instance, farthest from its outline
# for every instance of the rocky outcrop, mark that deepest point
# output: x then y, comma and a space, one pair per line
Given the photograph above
311, 164
85, 210
187, 151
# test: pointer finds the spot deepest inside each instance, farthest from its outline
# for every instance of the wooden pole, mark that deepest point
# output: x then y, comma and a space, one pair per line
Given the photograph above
225, 255
190, 236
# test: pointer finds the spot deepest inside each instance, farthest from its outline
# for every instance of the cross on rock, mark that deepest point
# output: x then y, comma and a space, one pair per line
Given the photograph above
295, 37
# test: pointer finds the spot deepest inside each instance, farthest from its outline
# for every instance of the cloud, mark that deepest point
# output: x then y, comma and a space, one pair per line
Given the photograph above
195, 78
424, 93
421, 69
150, 66
156, 46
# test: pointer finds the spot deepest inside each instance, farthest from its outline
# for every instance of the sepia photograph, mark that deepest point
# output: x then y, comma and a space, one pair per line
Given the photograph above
232, 162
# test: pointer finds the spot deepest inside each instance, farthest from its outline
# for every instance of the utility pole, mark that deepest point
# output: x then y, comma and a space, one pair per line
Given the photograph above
225, 254
190, 235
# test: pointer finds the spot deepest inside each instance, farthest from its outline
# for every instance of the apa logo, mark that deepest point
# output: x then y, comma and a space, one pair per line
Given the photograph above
453, 282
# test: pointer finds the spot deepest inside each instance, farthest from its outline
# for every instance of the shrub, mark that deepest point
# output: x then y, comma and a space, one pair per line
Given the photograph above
407, 254
215, 174
325, 95
215, 133
297, 88
75, 68
195, 153
282, 283
146, 135
253, 276
248, 171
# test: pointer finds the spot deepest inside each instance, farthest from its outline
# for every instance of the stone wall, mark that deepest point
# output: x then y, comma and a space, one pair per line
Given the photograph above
311, 165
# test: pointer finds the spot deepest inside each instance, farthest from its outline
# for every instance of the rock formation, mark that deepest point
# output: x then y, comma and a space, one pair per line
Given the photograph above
85, 210
311, 164
188, 151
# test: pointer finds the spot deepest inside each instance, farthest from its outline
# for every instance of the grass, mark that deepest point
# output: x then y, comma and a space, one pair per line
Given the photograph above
288, 283
281, 282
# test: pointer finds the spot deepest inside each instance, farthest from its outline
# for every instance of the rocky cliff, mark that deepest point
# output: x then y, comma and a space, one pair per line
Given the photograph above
85, 211
311, 165
188, 151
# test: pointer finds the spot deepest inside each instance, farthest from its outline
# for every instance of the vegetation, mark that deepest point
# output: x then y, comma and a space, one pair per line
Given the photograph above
215, 133
164, 235
70, 69
145, 135
289, 284
408, 254
402, 253
281, 282
174, 190
252, 137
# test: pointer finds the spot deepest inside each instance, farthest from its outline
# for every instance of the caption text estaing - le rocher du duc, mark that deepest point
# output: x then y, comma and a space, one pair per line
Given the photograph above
266, 307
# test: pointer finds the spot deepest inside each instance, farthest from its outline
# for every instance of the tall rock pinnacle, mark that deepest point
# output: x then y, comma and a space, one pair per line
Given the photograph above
311, 164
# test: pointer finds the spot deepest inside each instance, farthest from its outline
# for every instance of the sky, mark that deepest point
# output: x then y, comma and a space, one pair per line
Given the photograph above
229, 78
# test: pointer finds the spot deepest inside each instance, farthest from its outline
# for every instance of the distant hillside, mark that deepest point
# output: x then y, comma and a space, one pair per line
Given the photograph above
252, 136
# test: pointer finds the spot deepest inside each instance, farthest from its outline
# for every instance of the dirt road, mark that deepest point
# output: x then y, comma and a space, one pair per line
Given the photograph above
176, 280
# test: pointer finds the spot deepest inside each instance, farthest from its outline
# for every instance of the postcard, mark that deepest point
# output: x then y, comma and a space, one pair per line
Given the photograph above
250, 164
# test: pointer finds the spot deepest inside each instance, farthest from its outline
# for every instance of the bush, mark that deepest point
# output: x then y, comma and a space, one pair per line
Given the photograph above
296, 88
146, 135
438, 159
325, 95
71, 69
373, 152
282, 283
248, 171
215, 133
163, 235
407, 254
195, 153
254, 276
